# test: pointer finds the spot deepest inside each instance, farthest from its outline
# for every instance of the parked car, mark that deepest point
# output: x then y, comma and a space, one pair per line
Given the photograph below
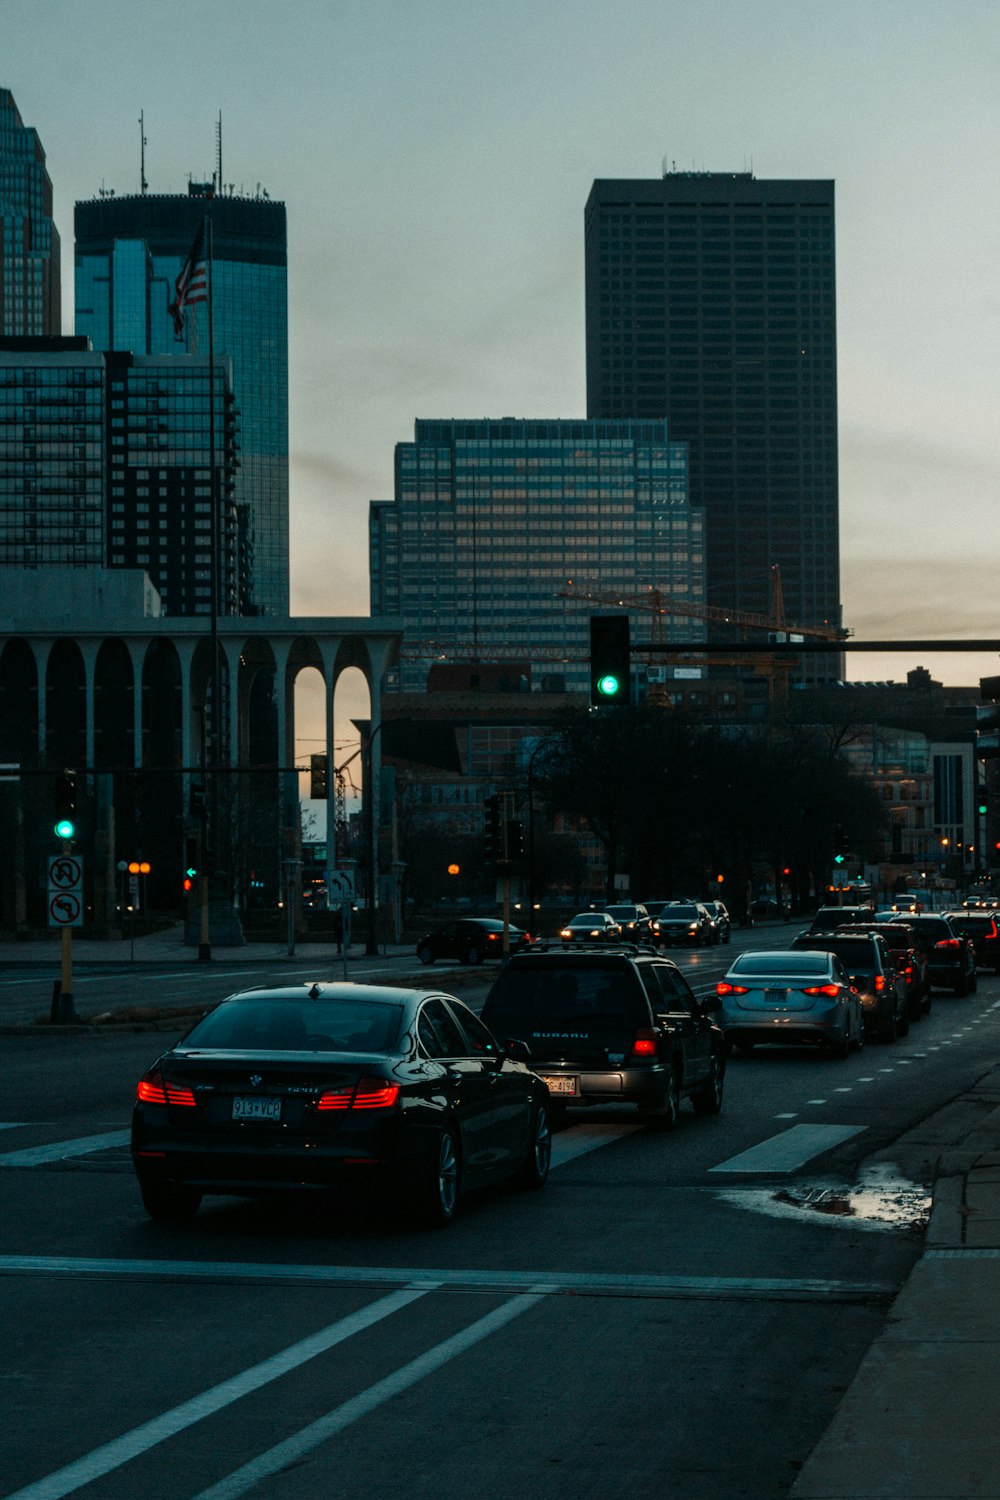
951, 957
909, 958
470, 940
404, 1091
785, 996
611, 1028
685, 923
871, 969
633, 919
591, 927
980, 925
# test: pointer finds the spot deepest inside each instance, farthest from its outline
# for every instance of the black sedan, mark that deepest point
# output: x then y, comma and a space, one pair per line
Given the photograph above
402, 1091
470, 940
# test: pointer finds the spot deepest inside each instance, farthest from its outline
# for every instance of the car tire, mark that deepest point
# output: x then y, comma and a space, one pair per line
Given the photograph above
973, 981
889, 1031
437, 1194
664, 1115
927, 1003
842, 1046
474, 955
708, 1099
744, 1048
170, 1202
425, 953
962, 987
859, 1041
903, 1022
534, 1170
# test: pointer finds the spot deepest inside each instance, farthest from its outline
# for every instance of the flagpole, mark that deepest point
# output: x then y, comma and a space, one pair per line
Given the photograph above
215, 743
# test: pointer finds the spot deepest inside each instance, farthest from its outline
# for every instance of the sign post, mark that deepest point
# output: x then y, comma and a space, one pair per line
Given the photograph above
66, 912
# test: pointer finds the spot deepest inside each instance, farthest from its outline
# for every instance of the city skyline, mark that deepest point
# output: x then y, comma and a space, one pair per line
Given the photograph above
435, 162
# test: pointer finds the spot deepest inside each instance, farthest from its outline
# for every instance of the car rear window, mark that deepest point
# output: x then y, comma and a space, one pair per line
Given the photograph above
272, 1025
563, 994
856, 953
810, 962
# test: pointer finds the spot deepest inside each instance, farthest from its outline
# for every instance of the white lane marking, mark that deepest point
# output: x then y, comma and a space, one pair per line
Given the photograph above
792, 1116
790, 1149
580, 1139
34, 1156
844, 1090
904, 1062
130, 1445
815, 1101
326, 1427
12, 1124
866, 1080
511, 1283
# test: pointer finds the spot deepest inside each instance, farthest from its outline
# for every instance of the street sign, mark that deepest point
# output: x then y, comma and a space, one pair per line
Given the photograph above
65, 909
65, 890
65, 872
341, 886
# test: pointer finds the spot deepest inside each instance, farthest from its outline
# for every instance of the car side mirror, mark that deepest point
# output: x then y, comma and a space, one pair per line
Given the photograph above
517, 1051
711, 1005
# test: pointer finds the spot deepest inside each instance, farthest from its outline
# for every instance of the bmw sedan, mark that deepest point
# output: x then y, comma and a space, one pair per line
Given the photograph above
470, 940
787, 996
402, 1091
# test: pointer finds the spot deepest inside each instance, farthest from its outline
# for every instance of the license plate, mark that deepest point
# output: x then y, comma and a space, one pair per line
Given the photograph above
775, 997
561, 1085
256, 1109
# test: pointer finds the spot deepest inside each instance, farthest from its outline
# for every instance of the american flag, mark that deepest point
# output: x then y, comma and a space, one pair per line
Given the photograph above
191, 285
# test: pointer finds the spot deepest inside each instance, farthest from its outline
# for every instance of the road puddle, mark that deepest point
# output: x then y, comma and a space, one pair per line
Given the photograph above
880, 1199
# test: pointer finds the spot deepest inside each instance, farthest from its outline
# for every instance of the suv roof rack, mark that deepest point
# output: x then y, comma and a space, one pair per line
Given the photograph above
555, 945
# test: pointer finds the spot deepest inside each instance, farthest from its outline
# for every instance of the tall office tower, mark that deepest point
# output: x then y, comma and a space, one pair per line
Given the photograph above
30, 300
711, 302
490, 521
105, 461
129, 254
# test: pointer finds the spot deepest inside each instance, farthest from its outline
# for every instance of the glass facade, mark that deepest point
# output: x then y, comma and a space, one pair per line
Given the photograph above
491, 519
129, 252
711, 302
105, 461
30, 302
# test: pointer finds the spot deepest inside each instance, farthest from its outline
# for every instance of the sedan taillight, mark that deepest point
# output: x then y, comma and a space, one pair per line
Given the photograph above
832, 990
153, 1090
370, 1093
725, 988
948, 943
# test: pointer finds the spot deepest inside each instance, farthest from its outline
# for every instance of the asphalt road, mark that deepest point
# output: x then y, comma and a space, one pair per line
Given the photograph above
671, 1316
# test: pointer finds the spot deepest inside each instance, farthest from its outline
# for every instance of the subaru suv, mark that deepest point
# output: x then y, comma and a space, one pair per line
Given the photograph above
611, 1026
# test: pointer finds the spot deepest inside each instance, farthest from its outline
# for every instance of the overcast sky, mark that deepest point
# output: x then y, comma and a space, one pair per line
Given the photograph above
435, 157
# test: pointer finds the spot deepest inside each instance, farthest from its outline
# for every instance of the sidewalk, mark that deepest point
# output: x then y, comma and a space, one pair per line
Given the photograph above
921, 1420
169, 947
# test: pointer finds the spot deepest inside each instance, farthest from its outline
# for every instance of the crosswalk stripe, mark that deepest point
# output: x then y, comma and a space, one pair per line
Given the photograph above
36, 1156
790, 1149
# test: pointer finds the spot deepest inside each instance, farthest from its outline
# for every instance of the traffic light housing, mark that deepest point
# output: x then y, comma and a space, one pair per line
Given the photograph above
197, 799
982, 804
515, 839
65, 806
610, 676
191, 861
839, 846
318, 778
988, 719
492, 830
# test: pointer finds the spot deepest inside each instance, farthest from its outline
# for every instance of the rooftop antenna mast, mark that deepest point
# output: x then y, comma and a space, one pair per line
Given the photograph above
218, 153
143, 184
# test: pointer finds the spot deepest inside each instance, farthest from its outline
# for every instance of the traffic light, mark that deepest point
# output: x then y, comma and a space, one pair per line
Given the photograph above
982, 804
610, 680
492, 830
839, 846
197, 801
65, 803
190, 861
318, 783
515, 839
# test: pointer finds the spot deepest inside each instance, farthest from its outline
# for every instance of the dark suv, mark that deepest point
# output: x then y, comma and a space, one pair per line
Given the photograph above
951, 957
872, 969
829, 918
611, 1026
910, 960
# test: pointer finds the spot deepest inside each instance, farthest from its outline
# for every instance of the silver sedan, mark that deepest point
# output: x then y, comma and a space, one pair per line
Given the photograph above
782, 996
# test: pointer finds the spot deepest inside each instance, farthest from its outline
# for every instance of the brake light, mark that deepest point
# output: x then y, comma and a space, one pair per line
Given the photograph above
833, 990
492, 937
879, 982
724, 988
644, 1044
948, 943
155, 1091
370, 1093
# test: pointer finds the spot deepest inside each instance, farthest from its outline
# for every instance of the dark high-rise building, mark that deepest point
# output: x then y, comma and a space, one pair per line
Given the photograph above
30, 302
129, 252
105, 461
711, 302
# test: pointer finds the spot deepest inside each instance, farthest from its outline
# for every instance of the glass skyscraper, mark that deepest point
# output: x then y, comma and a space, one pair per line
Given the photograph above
492, 519
711, 302
30, 300
129, 252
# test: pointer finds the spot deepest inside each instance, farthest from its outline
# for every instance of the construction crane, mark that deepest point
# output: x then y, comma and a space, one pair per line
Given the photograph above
661, 605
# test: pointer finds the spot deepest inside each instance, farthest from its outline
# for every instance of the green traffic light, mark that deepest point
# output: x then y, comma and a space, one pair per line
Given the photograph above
838, 859
608, 685
64, 829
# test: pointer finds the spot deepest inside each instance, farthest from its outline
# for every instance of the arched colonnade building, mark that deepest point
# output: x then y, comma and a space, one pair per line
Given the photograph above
93, 678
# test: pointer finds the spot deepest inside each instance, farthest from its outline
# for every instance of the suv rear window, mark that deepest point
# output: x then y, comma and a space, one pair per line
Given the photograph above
855, 952
561, 993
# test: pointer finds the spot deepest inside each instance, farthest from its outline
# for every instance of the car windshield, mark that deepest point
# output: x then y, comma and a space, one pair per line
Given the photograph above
587, 919
679, 913
269, 1024
808, 963
629, 912
856, 952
